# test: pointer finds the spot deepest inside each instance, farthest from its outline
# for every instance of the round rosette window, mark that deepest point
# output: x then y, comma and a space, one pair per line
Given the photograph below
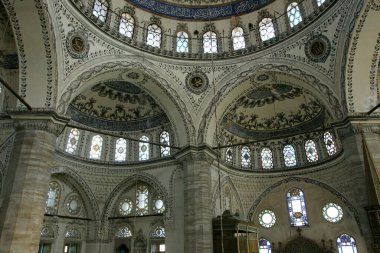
125, 206
332, 212
267, 218
73, 205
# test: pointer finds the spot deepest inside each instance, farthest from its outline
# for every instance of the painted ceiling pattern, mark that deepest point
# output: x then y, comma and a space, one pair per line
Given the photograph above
117, 105
273, 109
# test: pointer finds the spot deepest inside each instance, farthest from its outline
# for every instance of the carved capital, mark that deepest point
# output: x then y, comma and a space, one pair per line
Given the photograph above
42, 120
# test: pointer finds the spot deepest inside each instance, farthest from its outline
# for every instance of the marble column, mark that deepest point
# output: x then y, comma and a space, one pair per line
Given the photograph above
27, 179
197, 202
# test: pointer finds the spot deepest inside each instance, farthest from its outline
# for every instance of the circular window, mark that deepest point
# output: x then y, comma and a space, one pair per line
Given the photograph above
73, 205
267, 218
332, 212
125, 206
158, 204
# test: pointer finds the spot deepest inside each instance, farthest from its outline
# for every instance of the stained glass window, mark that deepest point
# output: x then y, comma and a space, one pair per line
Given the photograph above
329, 142
100, 9
73, 233
125, 206
158, 204
332, 212
311, 151
154, 36
229, 154
238, 38
96, 147
142, 200
320, 2
126, 25
265, 246
182, 42
121, 150
123, 232
294, 14
346, 244
144, 148
73, 205
165, 140
266, 28
159, 232
297, 208
266, 158
289, 156
72, 141
52, 198
267, 218
245, 157
210, 42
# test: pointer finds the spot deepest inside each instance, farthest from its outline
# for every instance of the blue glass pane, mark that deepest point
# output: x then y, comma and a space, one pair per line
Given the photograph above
297, 208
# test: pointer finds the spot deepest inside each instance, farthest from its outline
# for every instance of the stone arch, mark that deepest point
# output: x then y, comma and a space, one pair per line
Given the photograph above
162, 91
227, 91
227, 182
69, 176
347, 203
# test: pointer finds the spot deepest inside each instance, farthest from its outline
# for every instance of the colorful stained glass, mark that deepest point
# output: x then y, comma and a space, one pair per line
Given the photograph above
100, 9
332, 212
297, 208
266, 158
245, 157
182, 42
144, 148
346, 244
289, 156
266, 29
121, 150
238, 40
210, 42
142, 200
294, 14
72, 141
96, 147
265, 246
165, 140
329, 143
311, 151
154, 36
126, 25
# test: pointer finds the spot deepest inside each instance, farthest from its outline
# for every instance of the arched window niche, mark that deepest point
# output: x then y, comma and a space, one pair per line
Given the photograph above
297, 208
126, 25
210, 42
238, 40
294, 14
346, 244
182, 45
100, 10
153, 37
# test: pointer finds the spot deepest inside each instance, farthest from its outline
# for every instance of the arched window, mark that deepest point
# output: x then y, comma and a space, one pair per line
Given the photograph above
157, 240
311, 151
96, 147
297, 208
329, 143
294, 14
165, 140
229, 154
266, 29
121, 150
267, 158
182, 42
72, 141
238, 38
265, 246
154, 36
126, 26
346, 244
210, 42
144, 148
123, 232
245, 157
142, 195
320, 2
289, 156
100, 9
52, 198
158, 232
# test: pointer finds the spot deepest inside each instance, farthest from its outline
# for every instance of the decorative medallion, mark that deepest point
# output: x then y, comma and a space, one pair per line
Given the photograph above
318, 48
77, 44
73, 205
197, 82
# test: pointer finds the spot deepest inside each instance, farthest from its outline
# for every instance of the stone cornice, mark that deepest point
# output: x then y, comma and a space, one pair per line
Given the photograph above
39, 119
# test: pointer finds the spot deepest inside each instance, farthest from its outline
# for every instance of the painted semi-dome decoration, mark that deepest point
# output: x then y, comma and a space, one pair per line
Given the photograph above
273, 108
117, 106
